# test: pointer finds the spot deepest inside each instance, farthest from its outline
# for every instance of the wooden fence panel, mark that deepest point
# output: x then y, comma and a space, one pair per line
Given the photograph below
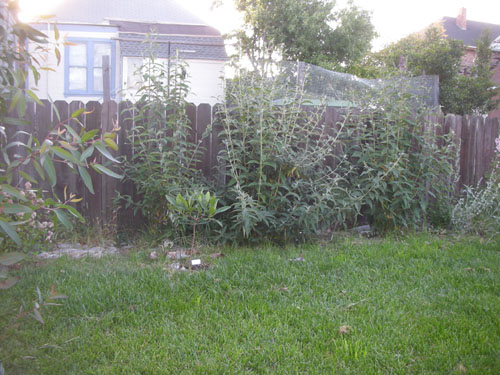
473, 134
126, 219
204, 120
478, 162
93, 207
66, 179
109, 121
216, 143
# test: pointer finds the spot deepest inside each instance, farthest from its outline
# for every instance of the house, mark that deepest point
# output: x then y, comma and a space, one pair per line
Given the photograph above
469, 32
118, 29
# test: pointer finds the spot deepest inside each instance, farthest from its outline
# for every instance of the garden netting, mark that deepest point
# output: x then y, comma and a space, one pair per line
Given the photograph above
342, 89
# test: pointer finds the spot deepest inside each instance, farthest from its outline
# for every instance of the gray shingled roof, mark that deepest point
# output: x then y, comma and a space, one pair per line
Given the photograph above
189, 47
98, 11
472, 33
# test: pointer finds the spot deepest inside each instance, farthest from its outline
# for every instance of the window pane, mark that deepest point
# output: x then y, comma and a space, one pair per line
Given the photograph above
100, 50
78, 79
98, 86
78, 55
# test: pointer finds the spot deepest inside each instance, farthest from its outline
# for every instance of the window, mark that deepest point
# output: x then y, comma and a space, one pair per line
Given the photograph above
83, 66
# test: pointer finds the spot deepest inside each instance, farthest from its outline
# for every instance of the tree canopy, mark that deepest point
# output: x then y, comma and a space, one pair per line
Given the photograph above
432, 53
312, 31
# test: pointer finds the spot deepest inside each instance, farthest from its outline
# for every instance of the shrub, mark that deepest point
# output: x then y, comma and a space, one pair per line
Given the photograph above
478, 211
164, 158
279, 177
403, 171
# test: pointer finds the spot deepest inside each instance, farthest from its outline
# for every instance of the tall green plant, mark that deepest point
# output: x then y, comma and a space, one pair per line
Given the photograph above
279, 181
164, 157
404, 171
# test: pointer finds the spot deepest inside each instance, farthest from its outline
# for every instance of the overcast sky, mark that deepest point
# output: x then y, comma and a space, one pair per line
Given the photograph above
393, 19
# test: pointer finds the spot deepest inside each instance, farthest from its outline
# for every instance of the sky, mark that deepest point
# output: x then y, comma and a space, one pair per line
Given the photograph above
393, 19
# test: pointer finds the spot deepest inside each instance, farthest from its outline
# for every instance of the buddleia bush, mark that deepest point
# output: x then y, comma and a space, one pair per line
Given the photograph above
278, 178
401, 167
163, 158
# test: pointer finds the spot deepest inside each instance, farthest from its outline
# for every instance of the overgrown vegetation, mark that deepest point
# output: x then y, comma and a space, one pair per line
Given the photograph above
280, 178
28, 203
314, 31
461, 90
165, 152
284, 173
291, 175
478, 210
400, 170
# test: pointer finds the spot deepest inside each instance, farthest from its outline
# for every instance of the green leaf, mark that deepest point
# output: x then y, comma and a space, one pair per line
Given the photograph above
89, 135
67, 146
111, 143
11, 258
73, 212
17, 97
87, 153
34, 97
51, 171
28, 177
77, 113
101, 169
87, 180
39, 170
64, 154
61, 216
13, 192
16, 209
105, 152
15, 121
9, 231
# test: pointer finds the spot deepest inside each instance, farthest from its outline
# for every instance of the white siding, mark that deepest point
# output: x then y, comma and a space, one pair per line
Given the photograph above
205, 77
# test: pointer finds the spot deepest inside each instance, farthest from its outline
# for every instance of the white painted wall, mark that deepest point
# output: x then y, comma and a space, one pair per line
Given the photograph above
205, 77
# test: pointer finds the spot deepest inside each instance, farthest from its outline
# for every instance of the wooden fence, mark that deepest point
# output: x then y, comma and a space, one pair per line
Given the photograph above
475, 136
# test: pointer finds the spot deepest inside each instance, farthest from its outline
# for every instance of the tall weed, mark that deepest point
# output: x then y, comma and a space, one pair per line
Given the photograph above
164, 158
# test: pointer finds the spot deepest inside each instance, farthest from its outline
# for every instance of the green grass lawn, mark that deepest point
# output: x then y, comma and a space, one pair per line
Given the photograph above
419, 305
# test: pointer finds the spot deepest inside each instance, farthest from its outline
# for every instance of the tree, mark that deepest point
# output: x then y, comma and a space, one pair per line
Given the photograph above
431, 53
308, 30
24, 199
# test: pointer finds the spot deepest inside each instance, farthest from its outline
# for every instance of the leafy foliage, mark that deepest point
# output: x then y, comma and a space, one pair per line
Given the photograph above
431, 53
164, 156
195, 208
401, 168
23, 194
478, 210
281, 181
303, 29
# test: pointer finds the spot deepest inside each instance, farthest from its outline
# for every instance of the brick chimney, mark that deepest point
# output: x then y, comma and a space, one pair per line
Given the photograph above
462, 19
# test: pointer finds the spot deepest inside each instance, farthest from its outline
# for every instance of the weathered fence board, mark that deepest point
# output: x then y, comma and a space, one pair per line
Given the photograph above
474, 135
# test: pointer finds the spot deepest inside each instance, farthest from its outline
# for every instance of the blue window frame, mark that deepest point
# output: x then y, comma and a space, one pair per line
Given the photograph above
83, 66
